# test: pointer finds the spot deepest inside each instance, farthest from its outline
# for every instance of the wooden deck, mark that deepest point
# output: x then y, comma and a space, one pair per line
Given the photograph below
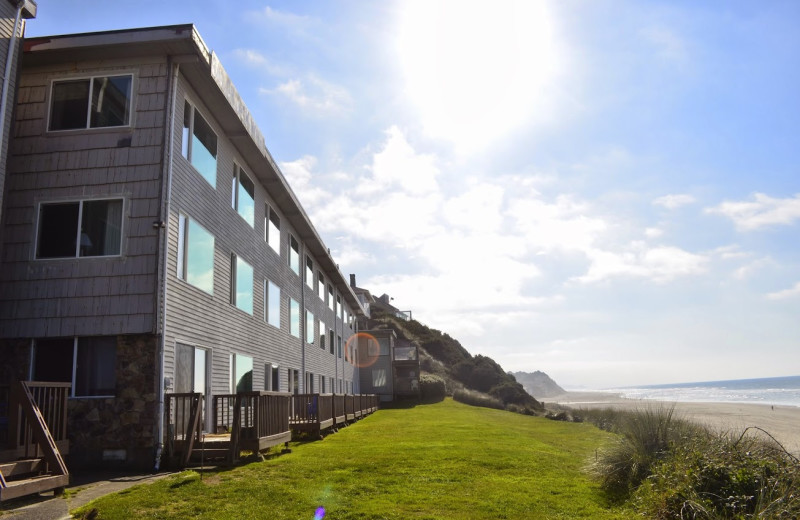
317, 412
33, 428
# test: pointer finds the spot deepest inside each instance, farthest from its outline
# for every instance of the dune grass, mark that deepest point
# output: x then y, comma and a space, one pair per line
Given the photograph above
444, 460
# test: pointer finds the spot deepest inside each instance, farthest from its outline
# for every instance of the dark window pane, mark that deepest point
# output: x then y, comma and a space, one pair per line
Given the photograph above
101, 227
53, 360
69, 104
187, 124
204, 149
58, 229
95, 369
111, 99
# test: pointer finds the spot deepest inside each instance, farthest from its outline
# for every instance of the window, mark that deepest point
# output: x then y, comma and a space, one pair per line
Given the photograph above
321, 285
330, 340
338, 307
339, 346
294, 255
241, 373
241, 284
272, 229
89, 364
294, 380
322, 384
309, 383
272, 304
378, 377
309, 272
310, 327
321, 335
98, 102
345, 316
195, 254
329, 300
243, 194
294, 318
271, 377
99, 232
199, 145
190, 369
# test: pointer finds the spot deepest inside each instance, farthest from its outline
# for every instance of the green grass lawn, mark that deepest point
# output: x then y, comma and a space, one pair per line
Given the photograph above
444, 460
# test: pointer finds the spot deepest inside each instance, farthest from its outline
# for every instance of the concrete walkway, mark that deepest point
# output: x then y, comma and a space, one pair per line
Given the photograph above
84, 488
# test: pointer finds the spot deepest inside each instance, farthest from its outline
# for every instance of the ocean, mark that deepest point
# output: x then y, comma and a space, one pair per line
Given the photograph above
772, 391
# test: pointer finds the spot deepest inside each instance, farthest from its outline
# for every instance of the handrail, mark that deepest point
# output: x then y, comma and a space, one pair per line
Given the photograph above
24, 406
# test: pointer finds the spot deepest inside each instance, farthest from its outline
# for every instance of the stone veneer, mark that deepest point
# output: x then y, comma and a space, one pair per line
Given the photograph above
123, 427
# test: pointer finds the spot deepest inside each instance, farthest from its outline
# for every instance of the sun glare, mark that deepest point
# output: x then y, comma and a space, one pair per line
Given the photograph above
476, 70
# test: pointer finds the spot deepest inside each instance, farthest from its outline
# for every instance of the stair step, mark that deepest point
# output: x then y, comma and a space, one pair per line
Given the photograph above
18, 488
21, 467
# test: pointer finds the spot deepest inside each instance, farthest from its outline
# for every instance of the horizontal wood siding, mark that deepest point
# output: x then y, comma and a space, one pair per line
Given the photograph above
211, 321
83, 296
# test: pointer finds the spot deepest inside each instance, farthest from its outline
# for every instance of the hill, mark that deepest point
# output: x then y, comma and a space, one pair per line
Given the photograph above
538, 384
443, 356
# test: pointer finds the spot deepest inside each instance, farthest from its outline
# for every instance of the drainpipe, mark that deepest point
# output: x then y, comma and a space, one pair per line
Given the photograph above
12, 45
174, 71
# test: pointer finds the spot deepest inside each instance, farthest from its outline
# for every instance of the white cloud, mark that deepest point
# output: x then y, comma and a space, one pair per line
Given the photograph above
659, 264
399, 166
653, 232
668, 46
762, 211
282, 18
314, 96
674, 201
298, 174
257, 60
792, 292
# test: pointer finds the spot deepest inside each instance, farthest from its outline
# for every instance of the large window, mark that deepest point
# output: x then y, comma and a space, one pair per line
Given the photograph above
199, 144
241, 284
195, 254
338, 307
271, 377
272, 229
89, 364
329, 299
241, 373
378, 377
322, 334
339, 346
331, 343
321, 285
310, 327
243, 195
309, 272
82, 228
294, 318
191, 365
294, 255
272, 304
98, 102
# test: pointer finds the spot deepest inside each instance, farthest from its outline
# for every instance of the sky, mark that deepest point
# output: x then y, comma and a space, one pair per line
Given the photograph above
606, 191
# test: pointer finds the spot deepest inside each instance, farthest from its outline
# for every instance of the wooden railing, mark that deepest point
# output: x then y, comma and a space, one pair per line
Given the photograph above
183, 416
50, 400
311, 408
339, 413
36, 416
255, 420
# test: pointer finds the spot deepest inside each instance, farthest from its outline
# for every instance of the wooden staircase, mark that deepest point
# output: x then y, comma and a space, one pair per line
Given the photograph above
33, 461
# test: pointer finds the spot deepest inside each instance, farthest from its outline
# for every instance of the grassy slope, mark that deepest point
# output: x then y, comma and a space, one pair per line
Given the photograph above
445, 460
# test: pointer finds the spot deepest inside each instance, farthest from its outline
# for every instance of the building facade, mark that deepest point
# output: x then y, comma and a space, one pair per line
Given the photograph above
152, 245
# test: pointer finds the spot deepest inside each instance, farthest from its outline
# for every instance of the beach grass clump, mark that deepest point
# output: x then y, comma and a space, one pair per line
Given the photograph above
672, 468
645, 438
473, 398
721, 475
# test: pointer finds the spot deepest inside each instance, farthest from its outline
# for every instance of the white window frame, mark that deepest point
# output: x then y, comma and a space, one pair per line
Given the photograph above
91, 78
183, 253
80, 203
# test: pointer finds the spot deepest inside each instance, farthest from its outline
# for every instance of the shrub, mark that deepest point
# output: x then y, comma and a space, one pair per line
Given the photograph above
473, 398
432, 388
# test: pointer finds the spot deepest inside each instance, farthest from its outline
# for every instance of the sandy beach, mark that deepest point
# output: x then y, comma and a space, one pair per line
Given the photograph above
782, 422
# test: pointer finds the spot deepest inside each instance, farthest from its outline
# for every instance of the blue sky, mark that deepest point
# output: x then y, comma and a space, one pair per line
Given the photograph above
607, 191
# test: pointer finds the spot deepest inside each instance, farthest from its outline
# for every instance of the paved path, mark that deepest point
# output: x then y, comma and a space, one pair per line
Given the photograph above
83, 488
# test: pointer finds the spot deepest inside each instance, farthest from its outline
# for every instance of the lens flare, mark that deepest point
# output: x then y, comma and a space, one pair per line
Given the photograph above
319, 514
362, 350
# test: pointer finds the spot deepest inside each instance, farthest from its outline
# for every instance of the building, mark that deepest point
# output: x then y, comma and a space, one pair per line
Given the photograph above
389, 367
152, 245
13, 14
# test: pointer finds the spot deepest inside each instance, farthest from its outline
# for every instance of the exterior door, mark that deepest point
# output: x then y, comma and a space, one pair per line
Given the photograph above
191, 374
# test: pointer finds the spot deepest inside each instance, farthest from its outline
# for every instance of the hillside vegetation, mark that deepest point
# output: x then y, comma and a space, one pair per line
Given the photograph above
443, 356
443, 460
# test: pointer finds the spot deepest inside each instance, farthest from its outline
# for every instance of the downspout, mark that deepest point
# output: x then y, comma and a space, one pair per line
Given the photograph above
303, 319
7, 74
174, 71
